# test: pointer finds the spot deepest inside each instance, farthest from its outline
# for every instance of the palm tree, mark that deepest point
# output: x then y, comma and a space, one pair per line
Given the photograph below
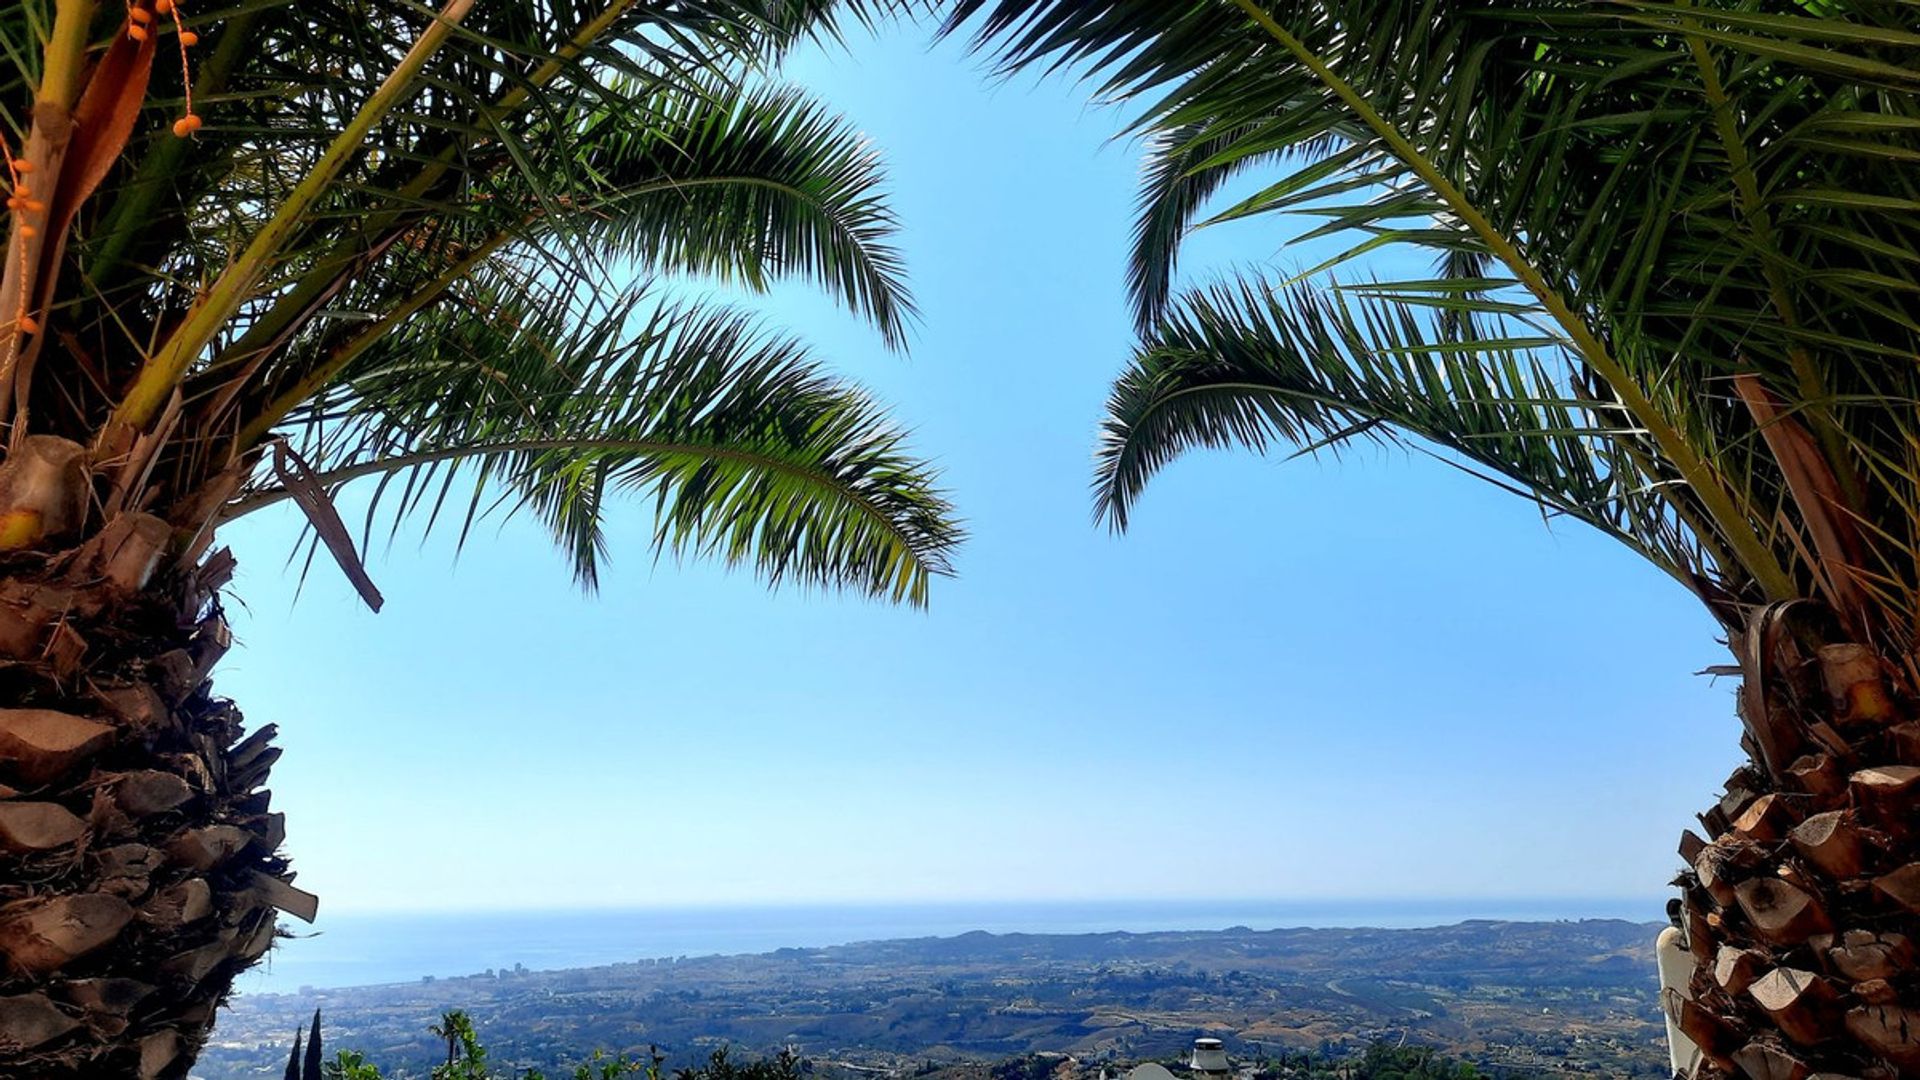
258, 252
1675, 295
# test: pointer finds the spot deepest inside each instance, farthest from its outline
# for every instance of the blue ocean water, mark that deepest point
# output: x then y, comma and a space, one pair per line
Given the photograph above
363, 949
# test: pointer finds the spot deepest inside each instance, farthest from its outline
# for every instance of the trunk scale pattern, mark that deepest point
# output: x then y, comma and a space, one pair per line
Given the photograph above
139, 865
1801, 907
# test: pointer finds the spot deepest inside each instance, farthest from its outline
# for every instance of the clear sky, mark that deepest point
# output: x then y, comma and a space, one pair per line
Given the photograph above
1365, 678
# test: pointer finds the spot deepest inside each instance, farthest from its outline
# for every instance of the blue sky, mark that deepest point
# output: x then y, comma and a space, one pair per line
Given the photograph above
1365, 678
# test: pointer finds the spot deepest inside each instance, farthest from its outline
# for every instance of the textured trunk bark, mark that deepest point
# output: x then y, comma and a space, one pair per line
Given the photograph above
1802, 910
138, 858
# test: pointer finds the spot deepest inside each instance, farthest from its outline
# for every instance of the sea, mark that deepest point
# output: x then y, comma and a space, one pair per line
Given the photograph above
370, 948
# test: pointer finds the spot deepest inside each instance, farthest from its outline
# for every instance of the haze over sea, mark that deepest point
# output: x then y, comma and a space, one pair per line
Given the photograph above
367, 948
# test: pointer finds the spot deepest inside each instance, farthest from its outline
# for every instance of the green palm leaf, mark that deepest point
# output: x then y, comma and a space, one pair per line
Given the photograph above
747, 186
1249, 365
392, 210
751, 454
1674, 195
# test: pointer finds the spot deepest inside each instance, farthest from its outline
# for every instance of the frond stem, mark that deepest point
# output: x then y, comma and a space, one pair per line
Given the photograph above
336, 362
164, 370
1753, 210
319, 277
66, 56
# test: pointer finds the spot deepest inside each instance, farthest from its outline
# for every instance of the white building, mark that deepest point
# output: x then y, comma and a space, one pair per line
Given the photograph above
1209, 1060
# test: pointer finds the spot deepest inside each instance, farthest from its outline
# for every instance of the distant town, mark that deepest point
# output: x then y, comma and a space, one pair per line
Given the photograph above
1539, 998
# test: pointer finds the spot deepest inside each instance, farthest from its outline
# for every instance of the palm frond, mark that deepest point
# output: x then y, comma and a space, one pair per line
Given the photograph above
720, 181
750, 453
1250, 365
464, 181
1680, 195
746, 186
1181, 176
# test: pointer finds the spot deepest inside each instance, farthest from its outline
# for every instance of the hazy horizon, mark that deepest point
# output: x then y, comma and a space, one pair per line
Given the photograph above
1654, 898
366, 948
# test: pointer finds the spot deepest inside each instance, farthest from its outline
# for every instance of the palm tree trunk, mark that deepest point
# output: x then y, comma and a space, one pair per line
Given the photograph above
140, 868
1803, 911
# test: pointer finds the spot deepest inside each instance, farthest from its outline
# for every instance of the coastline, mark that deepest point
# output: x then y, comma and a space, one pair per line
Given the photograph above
354, 949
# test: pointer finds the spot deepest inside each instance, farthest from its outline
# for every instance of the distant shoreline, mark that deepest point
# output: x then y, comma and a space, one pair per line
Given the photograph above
357, 949
1576, 990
